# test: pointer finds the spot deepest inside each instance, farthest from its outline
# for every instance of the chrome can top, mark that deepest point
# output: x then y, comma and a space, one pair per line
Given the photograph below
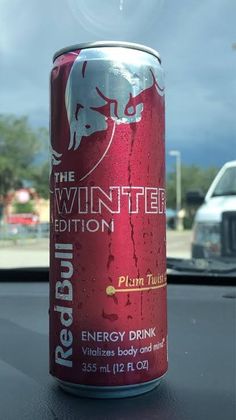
100, 44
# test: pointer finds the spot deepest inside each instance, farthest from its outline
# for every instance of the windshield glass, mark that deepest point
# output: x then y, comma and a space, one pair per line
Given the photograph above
227, 183
197, 45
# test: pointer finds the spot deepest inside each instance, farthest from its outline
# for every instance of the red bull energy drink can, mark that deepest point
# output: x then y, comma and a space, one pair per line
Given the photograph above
108, 317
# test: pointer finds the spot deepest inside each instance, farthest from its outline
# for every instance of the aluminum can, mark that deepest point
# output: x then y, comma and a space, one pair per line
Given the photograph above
108, 321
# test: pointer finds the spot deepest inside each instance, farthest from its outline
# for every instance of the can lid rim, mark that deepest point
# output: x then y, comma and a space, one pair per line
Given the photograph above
98, 44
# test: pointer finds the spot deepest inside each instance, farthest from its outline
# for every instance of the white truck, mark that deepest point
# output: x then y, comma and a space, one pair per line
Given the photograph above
214, 230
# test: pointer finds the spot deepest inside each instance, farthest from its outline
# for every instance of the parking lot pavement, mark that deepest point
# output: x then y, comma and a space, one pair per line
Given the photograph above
179, 243
35, 252
24, 253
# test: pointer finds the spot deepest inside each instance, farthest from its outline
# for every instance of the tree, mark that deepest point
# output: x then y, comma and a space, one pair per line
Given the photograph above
24, 207
192, 178
40, 178
19, 148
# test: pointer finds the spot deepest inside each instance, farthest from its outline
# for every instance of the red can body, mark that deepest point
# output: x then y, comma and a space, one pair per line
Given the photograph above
108, 323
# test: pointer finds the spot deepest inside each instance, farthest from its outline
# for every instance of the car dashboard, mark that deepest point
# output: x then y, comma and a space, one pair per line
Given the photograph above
200, 383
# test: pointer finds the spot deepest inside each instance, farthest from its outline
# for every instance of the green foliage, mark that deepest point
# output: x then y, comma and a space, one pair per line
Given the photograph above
192, 178
19, 147
40, 177
24, 207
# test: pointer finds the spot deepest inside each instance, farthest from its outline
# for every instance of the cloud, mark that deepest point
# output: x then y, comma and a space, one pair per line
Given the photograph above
194, 39
200, 78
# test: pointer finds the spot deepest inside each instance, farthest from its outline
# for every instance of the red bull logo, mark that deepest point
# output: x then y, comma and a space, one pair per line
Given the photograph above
99, 91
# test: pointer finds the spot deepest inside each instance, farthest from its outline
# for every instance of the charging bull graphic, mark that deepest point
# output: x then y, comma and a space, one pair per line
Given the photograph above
98, 89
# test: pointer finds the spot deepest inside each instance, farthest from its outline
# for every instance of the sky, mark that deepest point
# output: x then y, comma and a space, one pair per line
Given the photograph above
194, 39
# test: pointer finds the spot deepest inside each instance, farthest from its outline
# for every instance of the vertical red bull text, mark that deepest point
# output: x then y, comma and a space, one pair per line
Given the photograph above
64, 294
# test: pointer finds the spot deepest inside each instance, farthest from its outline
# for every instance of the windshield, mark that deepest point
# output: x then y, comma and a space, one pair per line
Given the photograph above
227, 183
196, 42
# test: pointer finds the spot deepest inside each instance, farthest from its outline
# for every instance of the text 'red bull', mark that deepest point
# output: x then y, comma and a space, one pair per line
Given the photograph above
64, 294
